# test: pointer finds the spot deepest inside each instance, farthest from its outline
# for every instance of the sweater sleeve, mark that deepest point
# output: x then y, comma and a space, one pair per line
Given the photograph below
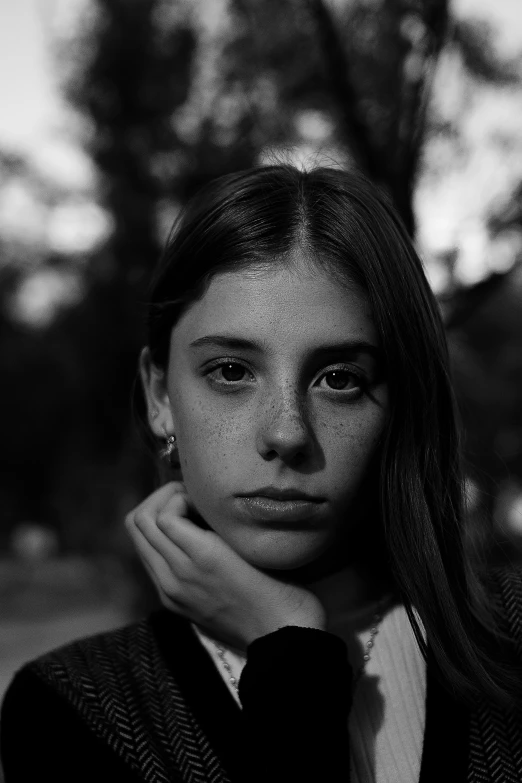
43, 738
296, 693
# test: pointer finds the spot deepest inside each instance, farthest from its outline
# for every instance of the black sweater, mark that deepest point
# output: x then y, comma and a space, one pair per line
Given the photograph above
146, 703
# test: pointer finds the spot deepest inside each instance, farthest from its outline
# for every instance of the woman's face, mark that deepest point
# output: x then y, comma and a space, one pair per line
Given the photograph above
266, 388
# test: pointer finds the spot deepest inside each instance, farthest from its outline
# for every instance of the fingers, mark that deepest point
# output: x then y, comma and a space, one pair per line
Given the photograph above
158, 499
188, 537
169, 500
154, 563
167, 546
159, 570
144, 546
162, 519
161, 534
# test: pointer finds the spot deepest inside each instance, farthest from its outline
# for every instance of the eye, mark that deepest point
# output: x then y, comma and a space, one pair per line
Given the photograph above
342, 379
227, 373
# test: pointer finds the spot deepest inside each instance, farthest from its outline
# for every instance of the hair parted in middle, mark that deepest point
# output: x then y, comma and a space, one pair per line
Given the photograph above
338, 221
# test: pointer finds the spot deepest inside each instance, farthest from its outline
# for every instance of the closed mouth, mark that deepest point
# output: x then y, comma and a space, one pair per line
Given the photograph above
275, 493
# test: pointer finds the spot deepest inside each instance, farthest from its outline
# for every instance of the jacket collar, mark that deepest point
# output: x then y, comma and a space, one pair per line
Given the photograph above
203, 688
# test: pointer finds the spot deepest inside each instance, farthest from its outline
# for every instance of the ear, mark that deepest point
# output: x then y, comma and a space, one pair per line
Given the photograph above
154, 384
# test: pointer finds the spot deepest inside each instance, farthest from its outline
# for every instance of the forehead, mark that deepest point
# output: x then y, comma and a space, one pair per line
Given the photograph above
290, 303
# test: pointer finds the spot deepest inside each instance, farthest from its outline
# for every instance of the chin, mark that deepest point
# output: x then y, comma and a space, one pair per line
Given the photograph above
281, 551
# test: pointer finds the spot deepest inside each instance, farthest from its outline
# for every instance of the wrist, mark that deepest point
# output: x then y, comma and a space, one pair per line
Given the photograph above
315, 620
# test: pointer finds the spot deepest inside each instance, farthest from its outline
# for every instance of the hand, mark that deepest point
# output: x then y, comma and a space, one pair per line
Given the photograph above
199, 576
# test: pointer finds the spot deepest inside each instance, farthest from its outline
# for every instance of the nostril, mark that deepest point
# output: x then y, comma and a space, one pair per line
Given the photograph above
287, 440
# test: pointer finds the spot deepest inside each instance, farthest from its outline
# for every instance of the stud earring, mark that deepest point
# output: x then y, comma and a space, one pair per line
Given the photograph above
169, 447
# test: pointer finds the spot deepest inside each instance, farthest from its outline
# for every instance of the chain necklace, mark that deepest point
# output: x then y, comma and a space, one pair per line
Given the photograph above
374, 630
232, 679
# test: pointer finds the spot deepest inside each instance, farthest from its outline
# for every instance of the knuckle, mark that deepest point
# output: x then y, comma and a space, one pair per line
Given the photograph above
166, 585
164, 519
176, 503
132, 524
207, 556
166, 579
139, 520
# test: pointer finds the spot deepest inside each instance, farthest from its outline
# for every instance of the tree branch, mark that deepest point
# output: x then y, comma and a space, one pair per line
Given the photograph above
435, 18
354, 128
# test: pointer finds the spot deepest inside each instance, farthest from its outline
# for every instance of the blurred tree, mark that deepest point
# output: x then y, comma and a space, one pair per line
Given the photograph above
169, 101
132, 72
367, 65
129, 70
380, 65
486, 340
473, 38
486, 349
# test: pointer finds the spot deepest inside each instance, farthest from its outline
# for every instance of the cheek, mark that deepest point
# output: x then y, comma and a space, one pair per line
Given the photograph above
208, 444
204, 430
208, 424
360, 431
351, 444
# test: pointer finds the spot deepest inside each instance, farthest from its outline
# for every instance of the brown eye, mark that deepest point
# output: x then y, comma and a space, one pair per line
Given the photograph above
339, 379
342, 380
228, 376
232, 372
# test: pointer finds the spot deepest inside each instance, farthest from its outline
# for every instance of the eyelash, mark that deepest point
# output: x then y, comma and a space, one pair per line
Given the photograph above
342, 368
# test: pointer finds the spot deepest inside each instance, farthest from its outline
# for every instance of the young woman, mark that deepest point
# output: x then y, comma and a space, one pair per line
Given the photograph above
321, 620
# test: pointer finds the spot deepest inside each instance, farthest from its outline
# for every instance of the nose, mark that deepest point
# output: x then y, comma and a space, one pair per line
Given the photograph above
283, 429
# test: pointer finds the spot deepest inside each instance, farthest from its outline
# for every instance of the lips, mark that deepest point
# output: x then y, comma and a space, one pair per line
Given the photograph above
270, 509
283, 494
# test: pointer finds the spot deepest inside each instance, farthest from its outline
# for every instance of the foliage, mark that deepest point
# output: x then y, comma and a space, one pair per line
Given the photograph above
366, 65
168, 103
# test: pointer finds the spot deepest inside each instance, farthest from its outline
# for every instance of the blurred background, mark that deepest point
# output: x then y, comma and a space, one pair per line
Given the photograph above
112, 114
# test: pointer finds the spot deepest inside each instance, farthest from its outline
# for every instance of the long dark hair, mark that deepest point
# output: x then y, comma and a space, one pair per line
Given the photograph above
342, 221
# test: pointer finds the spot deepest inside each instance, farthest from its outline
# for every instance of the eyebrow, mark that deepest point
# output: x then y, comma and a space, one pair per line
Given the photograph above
242, 344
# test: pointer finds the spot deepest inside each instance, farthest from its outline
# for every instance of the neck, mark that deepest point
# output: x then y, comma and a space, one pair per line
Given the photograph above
350, 597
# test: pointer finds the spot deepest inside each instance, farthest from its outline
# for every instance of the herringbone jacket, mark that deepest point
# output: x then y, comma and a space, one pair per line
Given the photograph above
145, 703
